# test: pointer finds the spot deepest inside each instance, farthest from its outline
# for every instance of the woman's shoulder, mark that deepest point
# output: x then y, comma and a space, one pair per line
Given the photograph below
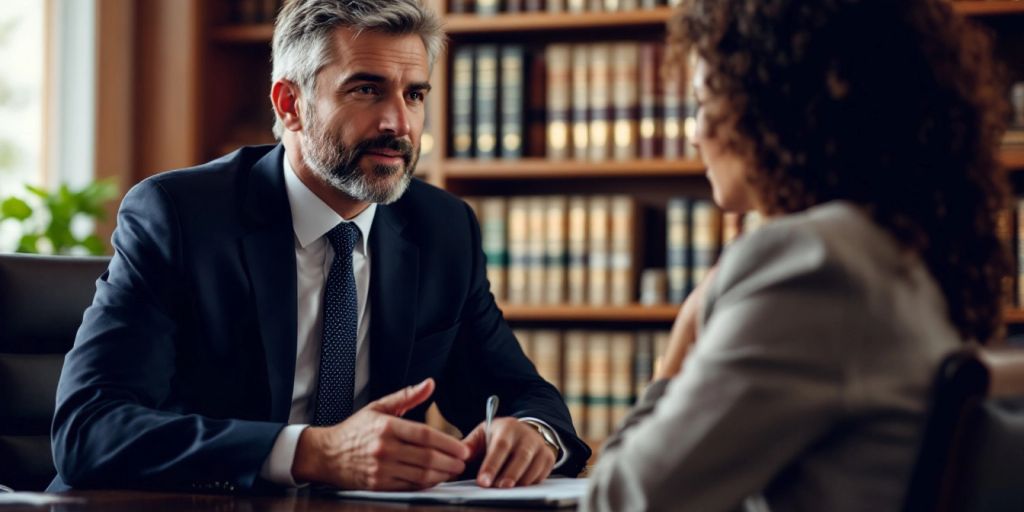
831, 273
836, 241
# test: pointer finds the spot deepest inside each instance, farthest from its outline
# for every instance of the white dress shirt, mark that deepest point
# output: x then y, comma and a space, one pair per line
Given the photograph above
311, 220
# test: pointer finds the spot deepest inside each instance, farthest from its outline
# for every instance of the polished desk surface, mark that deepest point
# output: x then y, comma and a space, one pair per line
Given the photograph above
125, 501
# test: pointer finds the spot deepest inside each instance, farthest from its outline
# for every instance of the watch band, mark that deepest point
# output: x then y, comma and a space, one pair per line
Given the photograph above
548, 436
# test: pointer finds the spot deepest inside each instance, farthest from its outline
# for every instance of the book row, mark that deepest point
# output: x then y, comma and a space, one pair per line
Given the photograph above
588, 250
265, 11
588, 101
492, 7
599, 373
697, 231
594, 250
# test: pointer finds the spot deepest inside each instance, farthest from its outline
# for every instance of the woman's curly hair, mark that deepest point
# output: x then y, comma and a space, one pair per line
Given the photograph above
895, 106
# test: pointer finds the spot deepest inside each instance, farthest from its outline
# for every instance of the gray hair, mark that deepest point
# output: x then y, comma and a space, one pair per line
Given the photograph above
304, 34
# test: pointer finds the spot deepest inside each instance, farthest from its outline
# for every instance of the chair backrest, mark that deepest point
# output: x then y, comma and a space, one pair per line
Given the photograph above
972, 454
41, 303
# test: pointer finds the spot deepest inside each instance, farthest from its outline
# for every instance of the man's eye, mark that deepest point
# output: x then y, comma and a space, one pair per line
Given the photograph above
366, 89
417, 95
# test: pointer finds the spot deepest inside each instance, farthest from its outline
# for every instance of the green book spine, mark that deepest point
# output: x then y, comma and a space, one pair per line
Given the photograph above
494, 236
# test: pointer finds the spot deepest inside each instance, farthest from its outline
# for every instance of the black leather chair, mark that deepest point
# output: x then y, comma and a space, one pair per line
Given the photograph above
972, 454
41, 303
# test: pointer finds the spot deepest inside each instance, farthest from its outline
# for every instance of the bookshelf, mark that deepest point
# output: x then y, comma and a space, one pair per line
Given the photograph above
461, 24
464, 24
541, 169
232, 110
1013, 159
662, 313
989, 7
1014, 316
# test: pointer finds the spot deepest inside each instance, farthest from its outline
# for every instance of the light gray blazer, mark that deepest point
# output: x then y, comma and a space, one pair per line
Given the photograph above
807, 387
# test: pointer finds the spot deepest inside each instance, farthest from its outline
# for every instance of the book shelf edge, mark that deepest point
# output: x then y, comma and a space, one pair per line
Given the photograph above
457, 24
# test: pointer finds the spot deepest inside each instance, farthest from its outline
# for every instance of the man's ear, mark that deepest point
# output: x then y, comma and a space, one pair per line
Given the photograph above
284, 95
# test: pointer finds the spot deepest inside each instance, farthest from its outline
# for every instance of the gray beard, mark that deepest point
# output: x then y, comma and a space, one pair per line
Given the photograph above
338, 166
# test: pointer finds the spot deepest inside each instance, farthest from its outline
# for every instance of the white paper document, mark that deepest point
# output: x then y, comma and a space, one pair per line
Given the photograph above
36, 499
553, 492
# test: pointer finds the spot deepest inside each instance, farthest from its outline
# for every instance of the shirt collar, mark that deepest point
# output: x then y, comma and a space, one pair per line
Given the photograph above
312, 218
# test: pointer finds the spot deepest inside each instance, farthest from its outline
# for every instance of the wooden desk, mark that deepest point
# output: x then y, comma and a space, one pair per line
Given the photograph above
136, 501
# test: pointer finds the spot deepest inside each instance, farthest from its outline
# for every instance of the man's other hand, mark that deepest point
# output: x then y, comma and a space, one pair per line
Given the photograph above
517, 454
376, 449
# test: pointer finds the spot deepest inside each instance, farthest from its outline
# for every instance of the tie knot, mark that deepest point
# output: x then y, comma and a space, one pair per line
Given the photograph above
343, 237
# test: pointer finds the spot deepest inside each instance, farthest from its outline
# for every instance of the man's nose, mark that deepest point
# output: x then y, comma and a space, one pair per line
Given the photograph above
394, 117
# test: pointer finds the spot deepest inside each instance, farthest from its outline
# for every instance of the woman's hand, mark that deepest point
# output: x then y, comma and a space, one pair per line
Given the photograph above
684, 330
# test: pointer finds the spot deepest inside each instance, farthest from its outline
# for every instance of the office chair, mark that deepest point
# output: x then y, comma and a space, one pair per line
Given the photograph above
41, 303
972, 455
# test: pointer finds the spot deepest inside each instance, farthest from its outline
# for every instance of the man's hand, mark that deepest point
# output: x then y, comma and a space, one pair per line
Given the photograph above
517, 455
376, 449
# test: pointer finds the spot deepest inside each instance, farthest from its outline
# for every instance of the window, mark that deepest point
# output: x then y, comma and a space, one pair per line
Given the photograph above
47, 109
22, 89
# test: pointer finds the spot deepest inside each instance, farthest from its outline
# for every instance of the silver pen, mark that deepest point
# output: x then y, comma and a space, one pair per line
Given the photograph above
492, 409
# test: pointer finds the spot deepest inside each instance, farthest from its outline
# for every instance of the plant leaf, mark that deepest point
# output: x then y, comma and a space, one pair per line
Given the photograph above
27, 244
59, 233
37, 191
93, 198
15, 208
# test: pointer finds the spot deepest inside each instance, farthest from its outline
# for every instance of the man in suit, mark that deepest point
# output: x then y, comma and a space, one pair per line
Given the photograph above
284, 314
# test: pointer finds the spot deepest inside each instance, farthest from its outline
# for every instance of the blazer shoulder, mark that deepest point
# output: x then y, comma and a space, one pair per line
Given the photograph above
226, 169
423, 194
426, 204
836, 242
212, 190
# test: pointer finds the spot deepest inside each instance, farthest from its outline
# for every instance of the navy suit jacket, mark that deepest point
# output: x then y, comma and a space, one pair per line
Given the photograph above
181, 374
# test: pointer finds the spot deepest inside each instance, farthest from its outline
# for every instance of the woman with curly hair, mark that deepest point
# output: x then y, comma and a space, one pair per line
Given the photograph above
797, 374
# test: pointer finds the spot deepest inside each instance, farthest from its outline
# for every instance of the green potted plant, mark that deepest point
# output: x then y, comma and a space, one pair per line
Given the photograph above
54, 225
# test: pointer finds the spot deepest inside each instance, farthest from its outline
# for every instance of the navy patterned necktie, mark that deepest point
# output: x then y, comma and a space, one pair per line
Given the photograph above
337, 378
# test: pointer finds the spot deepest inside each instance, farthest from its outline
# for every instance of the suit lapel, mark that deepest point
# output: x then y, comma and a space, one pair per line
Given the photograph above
394, 278
269, 252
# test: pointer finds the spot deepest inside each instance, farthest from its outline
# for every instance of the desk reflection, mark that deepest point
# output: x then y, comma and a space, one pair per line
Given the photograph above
295, 501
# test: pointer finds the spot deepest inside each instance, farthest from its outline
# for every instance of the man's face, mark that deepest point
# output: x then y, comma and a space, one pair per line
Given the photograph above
362, 125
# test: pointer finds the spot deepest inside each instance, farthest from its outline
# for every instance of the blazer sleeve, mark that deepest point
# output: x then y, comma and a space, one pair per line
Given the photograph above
488, 360
762, 383
112, 425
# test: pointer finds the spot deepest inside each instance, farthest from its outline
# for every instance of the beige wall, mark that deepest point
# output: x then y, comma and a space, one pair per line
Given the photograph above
146, 90
166, 72
115, 67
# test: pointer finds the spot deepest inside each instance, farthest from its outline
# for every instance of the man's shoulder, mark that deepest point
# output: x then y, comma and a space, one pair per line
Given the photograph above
215, 191
225, 168
428, 202
432, 217
420, 191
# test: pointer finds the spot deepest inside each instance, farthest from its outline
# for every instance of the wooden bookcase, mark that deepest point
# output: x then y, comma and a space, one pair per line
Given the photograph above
234, 110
